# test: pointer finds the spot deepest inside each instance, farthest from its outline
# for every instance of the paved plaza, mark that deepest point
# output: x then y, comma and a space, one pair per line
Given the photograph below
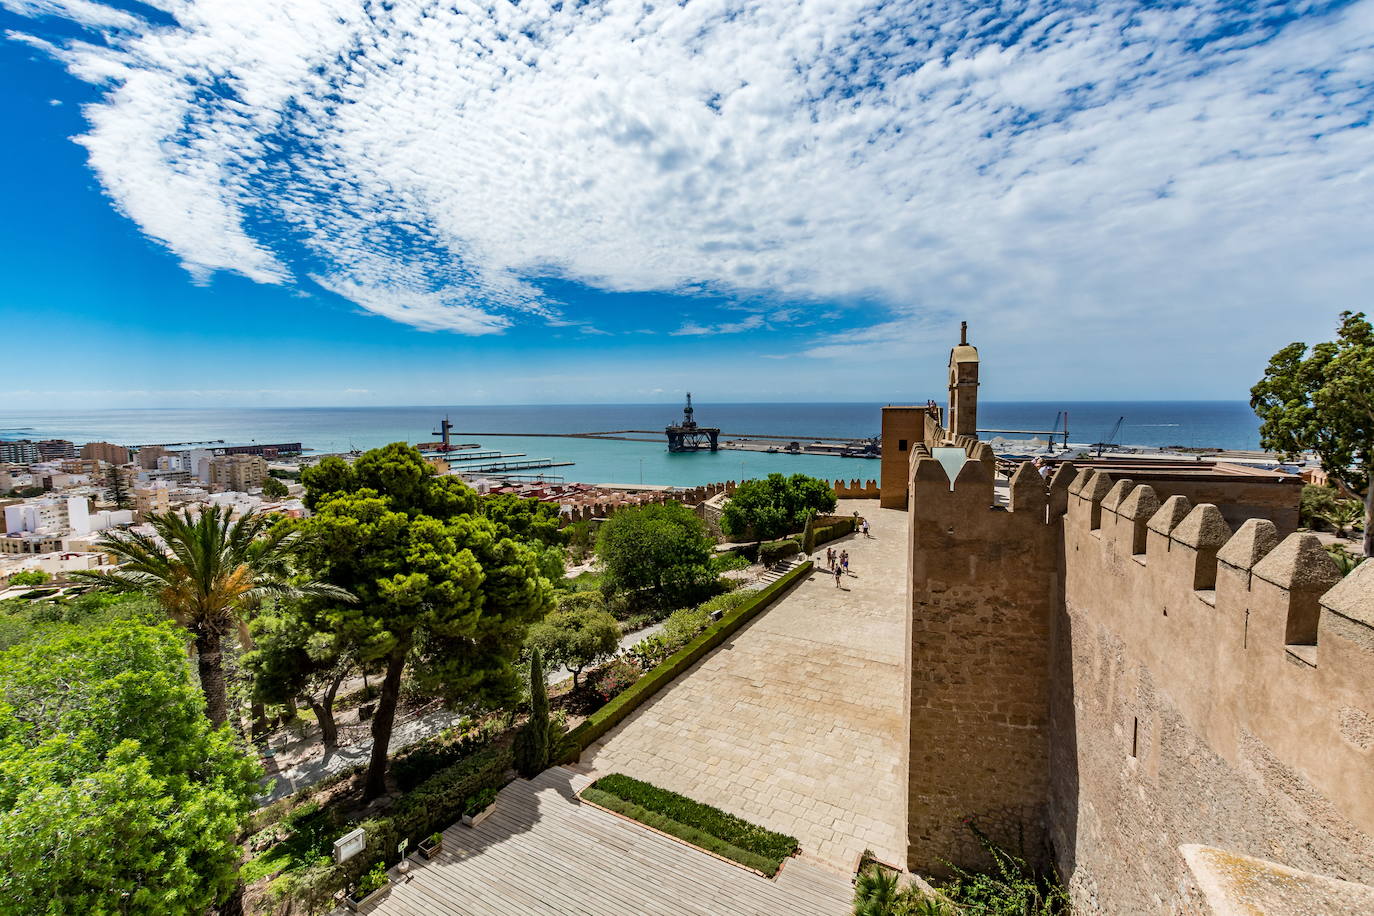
795, 722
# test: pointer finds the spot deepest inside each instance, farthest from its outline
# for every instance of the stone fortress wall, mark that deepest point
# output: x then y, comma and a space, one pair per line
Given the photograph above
1209, 687
982, 583
1107, 676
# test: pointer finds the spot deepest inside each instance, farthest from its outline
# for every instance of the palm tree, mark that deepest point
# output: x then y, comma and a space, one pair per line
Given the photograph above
208, 572
1343, 515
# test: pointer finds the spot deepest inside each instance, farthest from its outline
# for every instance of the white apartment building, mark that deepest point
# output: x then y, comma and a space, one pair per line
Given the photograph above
49, 515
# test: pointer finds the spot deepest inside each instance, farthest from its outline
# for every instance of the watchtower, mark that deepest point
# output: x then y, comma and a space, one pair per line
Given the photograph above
963, 386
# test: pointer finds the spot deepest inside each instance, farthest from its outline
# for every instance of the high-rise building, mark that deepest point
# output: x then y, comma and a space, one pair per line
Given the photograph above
148, 456
238, 472
107, 452
54, 449
19, 451
153, 498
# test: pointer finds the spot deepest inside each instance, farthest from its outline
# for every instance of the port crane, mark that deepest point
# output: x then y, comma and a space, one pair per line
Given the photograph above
1110, 439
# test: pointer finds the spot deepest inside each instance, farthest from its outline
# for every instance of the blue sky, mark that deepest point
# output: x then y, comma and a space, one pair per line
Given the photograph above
342, 202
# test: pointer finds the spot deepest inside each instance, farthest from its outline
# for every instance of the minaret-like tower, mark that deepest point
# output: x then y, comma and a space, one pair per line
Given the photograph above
963, 386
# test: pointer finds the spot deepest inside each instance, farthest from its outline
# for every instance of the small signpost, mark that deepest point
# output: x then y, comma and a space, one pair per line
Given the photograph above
349, 845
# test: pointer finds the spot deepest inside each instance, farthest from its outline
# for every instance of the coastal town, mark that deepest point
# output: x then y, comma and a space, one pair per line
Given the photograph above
686, 459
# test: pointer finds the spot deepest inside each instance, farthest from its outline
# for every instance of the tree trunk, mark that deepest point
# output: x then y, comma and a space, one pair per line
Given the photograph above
210, 662
292, 713
324, 712
383, 720
1369, 515
259, 713
234, 905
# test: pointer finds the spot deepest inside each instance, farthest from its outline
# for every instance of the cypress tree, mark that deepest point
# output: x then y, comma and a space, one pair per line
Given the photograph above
532, 744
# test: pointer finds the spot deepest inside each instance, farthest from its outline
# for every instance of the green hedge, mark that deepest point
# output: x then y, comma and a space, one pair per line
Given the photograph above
831, 530
773, 551
698, 823
610, 715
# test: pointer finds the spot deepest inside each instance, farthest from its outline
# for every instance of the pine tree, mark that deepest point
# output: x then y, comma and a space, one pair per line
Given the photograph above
116, 490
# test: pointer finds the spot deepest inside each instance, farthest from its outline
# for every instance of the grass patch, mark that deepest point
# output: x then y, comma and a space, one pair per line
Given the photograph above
309, 834
699, 824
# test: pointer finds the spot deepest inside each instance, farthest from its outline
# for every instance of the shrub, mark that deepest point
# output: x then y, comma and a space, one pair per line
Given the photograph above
612, 679
1316, 503
637, 622
728, 562
676, 811
29, 577
774, 551
480, 801
415, 764
685, 624
682, 627
1345, 560
375, 879
1008, 888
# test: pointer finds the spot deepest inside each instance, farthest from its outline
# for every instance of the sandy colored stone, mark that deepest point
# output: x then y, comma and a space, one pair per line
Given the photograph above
795, 722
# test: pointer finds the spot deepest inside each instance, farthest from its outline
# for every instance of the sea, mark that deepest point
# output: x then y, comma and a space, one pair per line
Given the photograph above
1197, 424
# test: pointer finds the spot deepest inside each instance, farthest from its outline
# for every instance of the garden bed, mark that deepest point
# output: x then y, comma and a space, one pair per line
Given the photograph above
693, 822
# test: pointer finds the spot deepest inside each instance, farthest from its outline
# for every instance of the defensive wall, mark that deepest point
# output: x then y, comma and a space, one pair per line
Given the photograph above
983, 582
1102, 676
1209, 686
1239, 491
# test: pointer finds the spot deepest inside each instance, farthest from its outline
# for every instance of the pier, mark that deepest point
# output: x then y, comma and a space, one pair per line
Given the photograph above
527, 464
482, 456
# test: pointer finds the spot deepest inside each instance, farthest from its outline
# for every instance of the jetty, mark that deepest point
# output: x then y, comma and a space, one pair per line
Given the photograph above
523, 465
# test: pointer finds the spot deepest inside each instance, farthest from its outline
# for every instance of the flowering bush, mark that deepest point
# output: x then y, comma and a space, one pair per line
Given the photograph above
614, 677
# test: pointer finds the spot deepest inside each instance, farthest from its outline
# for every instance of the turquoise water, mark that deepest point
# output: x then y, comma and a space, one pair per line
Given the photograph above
1214, 424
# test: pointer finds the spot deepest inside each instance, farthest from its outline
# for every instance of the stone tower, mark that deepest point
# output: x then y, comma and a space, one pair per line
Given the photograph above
963, 387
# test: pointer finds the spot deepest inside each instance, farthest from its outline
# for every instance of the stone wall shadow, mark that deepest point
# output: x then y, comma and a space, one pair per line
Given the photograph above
1062, 808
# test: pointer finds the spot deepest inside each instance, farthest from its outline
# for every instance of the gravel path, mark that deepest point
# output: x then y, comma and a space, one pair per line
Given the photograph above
312, 771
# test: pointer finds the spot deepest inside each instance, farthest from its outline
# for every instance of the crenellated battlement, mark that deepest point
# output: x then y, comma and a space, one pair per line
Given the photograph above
1250, 636
1104, 672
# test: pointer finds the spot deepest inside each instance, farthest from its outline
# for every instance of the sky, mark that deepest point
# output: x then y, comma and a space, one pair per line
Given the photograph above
337, 202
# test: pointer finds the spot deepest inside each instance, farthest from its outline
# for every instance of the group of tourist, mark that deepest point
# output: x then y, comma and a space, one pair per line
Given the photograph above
838, 562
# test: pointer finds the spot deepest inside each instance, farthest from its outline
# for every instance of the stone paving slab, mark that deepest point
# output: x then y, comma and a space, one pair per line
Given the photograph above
795, 722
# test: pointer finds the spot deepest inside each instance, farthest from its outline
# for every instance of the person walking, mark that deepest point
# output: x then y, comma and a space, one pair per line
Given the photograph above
830, 558
864, 528
844, 562
837, 576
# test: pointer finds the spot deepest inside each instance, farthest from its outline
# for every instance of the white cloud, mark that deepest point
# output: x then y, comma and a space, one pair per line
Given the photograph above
83, 12
430, 162
692, 329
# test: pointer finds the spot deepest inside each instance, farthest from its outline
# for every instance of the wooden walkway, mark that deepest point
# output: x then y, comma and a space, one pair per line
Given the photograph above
543, 852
